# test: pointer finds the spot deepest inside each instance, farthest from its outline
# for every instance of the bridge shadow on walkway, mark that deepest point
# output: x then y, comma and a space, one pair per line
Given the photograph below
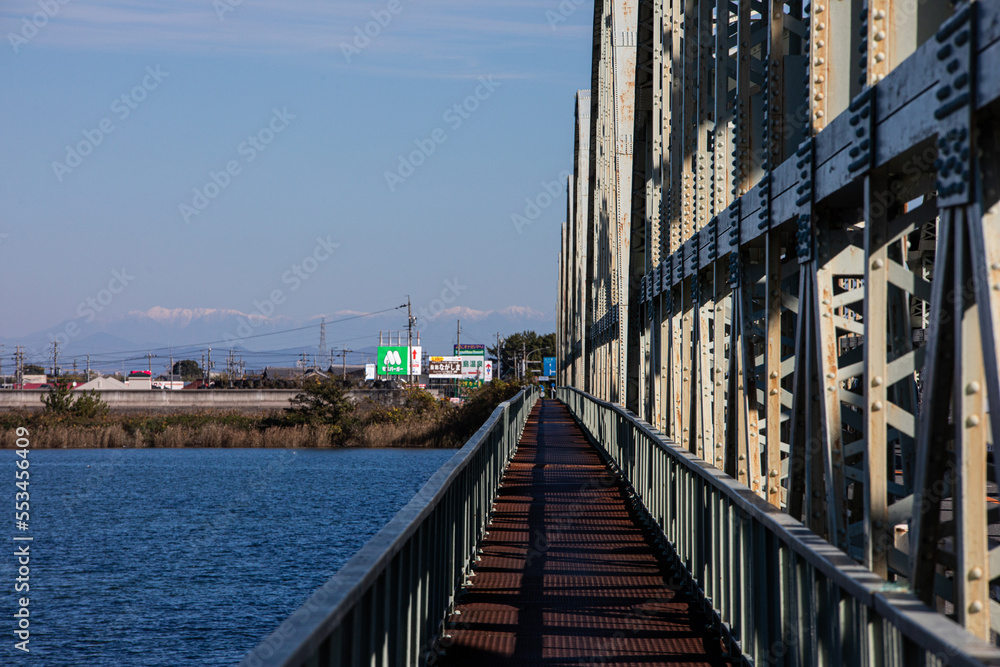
568, 575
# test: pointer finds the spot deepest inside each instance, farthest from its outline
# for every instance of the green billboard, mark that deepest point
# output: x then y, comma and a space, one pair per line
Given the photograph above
393, 360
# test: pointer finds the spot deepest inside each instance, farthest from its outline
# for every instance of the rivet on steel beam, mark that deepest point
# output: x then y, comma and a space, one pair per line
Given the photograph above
972, 388
972, 421
877, 264
876, 406
975, 607
877, 381
975, 574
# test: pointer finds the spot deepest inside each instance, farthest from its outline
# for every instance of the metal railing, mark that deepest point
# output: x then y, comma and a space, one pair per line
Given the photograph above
779, 594
387, 605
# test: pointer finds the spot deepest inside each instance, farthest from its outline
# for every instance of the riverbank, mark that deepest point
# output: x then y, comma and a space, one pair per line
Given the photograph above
272, 429
247, 401
322, 416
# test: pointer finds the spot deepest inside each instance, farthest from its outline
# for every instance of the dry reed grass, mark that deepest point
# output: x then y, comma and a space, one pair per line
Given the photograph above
114, 436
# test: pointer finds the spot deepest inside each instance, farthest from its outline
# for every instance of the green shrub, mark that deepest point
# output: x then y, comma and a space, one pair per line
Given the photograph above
462, 423
325, 402
84, 406
89, 405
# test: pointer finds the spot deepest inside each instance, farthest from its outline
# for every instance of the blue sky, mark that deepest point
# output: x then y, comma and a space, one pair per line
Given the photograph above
216, 156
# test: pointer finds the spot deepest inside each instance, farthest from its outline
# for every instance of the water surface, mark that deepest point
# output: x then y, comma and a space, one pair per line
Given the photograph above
188, 556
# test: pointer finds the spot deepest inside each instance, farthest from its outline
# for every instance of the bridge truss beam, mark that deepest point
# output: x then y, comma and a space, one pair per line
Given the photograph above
782, 250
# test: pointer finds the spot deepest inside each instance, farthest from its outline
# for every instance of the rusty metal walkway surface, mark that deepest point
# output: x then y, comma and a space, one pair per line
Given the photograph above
567, 574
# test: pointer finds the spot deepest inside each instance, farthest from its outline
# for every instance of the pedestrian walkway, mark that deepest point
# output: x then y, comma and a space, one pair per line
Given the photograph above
567, 573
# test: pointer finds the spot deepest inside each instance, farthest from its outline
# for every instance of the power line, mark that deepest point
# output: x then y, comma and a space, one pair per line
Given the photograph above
262, 335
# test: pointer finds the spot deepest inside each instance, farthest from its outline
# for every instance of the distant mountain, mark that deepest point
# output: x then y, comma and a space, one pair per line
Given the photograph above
118, 342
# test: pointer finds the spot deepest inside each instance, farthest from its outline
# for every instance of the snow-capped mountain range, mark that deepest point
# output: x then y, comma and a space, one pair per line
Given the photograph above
188, 331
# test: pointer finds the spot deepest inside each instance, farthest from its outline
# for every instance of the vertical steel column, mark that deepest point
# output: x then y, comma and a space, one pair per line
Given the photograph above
584, 232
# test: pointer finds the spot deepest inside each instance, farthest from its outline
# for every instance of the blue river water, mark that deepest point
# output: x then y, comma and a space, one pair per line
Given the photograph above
187, 556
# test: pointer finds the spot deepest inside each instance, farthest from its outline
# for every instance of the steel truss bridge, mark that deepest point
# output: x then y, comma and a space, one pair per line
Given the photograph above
782, 253
778, 332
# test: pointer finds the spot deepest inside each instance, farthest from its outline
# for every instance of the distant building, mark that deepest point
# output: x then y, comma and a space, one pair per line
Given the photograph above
356, 371
171, 381
141, 380
101, 384
291, 374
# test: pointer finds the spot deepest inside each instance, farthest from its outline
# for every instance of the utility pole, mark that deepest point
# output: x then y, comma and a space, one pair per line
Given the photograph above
322, 335
524, 362
343, 354
458, 334
170, 372
55, 358
149, 361
409, 340
230, 368
88, 367
498, 355
19, 366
